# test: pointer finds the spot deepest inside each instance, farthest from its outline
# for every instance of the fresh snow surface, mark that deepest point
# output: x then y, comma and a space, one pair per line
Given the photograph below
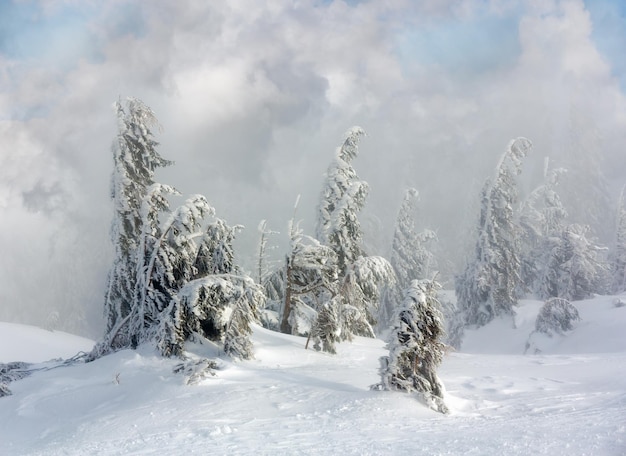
35, 345
568, 400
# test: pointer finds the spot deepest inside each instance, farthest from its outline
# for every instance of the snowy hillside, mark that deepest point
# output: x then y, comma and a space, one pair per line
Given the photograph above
571, 399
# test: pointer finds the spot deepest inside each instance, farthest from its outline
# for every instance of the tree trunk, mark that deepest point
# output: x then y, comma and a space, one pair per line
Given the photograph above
285, 327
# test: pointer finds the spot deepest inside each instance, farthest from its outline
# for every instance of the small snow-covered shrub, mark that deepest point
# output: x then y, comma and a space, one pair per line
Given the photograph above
11, 372
196, 371
327, 329
4, 390
556, 316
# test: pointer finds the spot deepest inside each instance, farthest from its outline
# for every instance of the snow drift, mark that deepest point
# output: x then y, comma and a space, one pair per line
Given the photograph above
571, 399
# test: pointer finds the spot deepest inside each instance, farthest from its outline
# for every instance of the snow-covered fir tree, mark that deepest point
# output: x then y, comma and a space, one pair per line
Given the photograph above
237, 341
214, 300
542, 219
618, 252
216, 254
410, 257
555, 318
360, 294
219, 307
489, 284
361, 277
575, 269
169, 279
135, 159
310, 282
415, 347
326, 331
558, 259
274, 287
263, 264
343, 196
454, 320
585, 187
166, 260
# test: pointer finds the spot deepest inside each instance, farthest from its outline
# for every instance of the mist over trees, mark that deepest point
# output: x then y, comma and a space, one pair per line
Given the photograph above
410, 256
175, 277
488, 287
257, 111
329, 289
618, 252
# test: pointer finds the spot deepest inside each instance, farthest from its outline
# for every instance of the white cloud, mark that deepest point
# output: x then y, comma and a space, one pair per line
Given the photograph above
254, 98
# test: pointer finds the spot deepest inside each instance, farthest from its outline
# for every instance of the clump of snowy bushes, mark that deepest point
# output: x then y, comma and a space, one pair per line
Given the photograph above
556, 317
174, 276
10, 372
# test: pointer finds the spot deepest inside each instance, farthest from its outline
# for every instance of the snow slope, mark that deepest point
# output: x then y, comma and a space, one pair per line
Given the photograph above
570, 400
34, 345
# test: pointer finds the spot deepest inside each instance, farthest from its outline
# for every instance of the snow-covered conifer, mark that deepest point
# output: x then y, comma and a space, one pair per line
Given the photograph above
169, 280
454, 320
415, 347
360, 294
555, 318
216, 254
220, 307
489, 285
237, 342
558, 260
10, 372
410, 257
219, 304
262, 261
542, 218
310, 281
343, 196
327, 328
576, 269
618, 253
169, 266
135, 159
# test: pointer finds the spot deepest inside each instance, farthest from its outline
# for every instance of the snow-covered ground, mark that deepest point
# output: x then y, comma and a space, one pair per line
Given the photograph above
569, 400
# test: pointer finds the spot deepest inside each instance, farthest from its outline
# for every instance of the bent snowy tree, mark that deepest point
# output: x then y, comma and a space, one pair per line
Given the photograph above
343, 197
415, 347
360, 277
160, 255
410, 257
489, 285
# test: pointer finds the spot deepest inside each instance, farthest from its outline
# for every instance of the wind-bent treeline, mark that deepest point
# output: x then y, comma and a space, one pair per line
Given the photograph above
175, 276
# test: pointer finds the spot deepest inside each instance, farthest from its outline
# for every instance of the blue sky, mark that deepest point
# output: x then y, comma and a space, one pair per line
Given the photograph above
487, 41
63, 34
467, 46
29, 33
609, 33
